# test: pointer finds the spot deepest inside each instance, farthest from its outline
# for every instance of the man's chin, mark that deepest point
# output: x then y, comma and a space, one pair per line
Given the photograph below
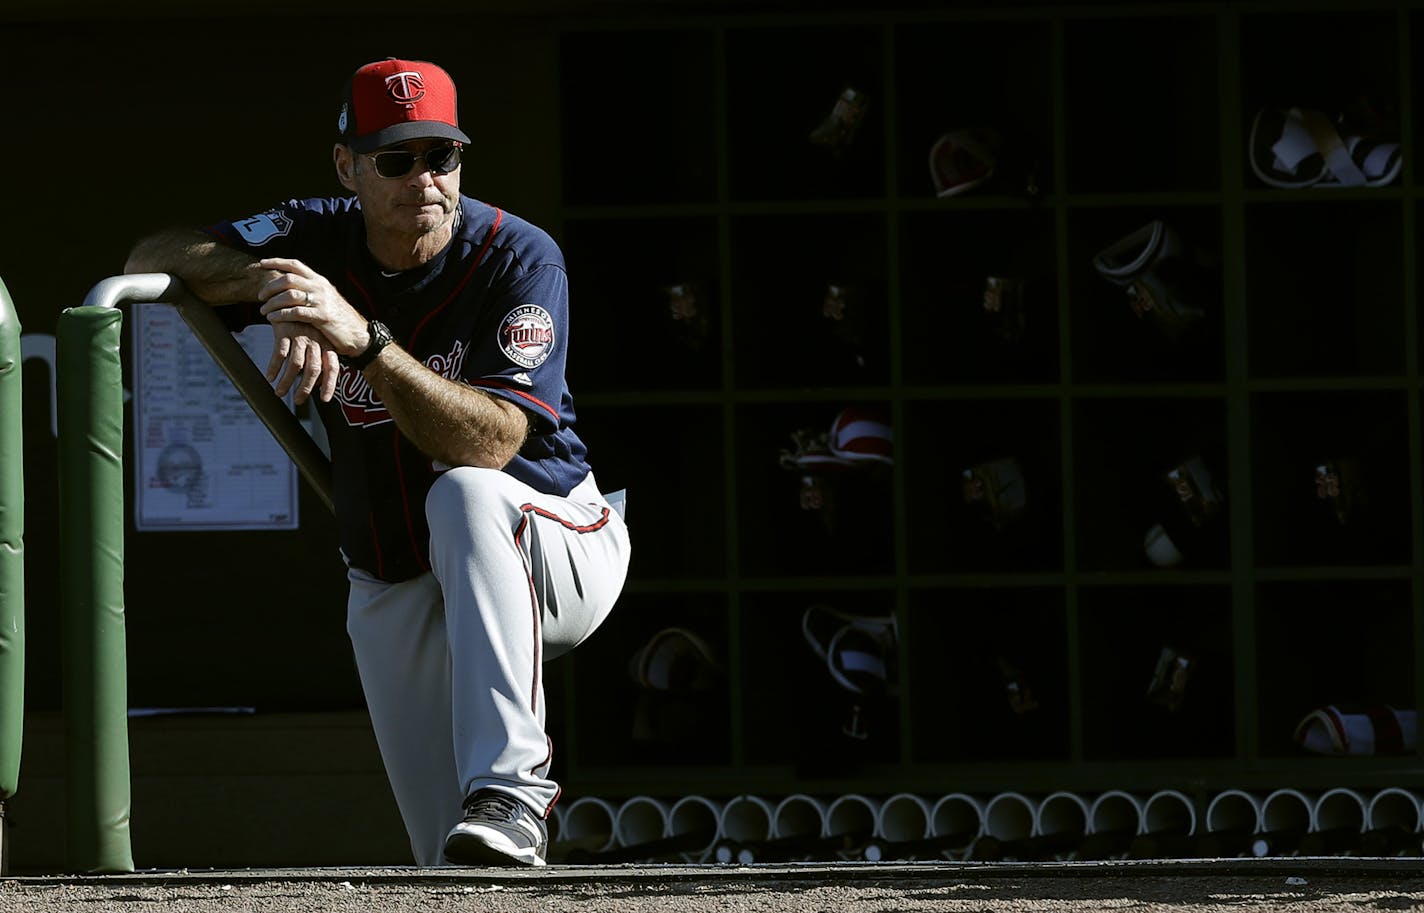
430, 219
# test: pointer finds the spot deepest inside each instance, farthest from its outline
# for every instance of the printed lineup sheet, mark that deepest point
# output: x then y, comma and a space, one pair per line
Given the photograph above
204, 459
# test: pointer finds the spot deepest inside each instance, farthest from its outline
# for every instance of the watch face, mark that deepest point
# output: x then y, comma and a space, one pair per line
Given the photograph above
379, 337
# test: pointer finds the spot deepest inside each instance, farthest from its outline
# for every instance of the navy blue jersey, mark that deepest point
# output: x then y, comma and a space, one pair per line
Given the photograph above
490, 311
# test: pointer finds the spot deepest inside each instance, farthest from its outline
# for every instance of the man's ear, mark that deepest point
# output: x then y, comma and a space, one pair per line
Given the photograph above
345, 161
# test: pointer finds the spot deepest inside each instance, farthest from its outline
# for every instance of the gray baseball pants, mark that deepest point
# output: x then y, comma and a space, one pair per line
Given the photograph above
450, 661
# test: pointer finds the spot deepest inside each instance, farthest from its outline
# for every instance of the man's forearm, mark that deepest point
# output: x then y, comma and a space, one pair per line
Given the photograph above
446, 420
214, 272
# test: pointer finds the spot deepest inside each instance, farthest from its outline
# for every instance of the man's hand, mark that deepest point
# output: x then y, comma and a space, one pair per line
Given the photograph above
313, 325
299, 351
299, 294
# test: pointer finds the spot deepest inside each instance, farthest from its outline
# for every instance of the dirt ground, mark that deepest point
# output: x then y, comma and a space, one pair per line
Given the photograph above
1238, 886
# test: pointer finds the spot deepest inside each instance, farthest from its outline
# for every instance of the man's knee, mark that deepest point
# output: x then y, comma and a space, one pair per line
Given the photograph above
464, 493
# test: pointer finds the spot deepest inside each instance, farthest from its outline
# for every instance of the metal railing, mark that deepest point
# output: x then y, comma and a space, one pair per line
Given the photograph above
92, 548
229, 355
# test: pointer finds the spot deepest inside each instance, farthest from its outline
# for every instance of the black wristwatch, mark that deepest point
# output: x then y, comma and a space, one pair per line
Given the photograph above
380, 338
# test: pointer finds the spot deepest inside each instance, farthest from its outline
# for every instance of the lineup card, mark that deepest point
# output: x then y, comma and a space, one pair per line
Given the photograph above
204, 459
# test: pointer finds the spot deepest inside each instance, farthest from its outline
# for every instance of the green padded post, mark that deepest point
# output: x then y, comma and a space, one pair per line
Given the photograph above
91, 504
12, 565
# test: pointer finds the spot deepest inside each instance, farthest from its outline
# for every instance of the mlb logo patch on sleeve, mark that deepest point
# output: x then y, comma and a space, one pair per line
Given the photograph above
263, 227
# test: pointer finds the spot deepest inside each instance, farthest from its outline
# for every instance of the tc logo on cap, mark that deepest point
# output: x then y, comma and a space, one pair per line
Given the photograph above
406, 87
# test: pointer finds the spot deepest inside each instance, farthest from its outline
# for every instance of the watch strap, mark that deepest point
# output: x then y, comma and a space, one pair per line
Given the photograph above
380, 338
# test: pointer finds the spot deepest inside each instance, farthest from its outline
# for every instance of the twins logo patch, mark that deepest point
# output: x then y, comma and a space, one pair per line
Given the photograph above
263, 227
527, 335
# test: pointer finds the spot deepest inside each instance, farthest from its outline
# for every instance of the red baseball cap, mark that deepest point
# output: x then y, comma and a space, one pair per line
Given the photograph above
393, 101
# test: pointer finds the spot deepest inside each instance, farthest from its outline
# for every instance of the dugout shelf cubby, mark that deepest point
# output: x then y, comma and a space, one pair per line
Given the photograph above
1111, 116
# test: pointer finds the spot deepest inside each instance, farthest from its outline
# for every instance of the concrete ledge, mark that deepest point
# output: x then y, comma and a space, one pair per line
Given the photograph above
1394, 868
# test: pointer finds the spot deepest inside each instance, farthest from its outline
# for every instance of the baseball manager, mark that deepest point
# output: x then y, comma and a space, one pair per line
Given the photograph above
433, 329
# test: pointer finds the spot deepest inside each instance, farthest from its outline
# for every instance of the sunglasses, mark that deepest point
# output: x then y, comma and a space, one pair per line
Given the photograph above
396, 163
